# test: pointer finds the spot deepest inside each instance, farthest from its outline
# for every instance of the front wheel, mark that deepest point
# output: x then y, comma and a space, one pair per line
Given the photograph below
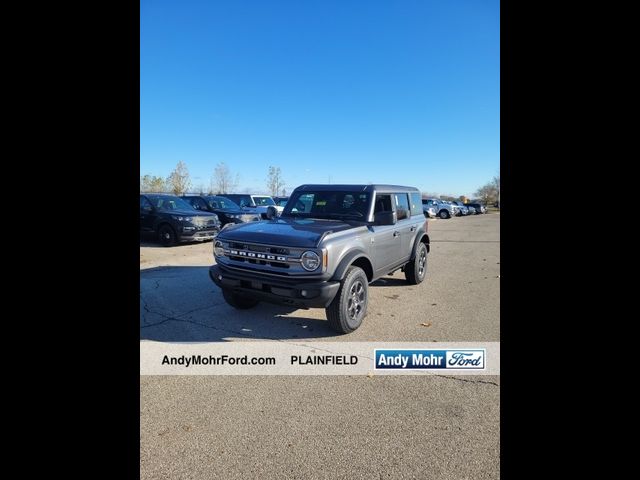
349, 307
444, 214
238, 301
167, 236
416, 270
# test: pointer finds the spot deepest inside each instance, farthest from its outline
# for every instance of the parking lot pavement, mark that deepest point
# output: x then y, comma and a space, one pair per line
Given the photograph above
326, 427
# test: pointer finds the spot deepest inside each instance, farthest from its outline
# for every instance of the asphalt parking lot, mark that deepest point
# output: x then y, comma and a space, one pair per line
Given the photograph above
319, 426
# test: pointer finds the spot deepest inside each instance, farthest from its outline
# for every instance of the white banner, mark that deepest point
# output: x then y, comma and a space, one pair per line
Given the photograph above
320, 358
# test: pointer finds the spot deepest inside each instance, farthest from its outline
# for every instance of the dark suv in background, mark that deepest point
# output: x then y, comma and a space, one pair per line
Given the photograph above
173, 220
226, 210
478, 207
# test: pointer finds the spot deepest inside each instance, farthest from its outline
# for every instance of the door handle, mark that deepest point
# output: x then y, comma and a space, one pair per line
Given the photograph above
396, 233
413, 228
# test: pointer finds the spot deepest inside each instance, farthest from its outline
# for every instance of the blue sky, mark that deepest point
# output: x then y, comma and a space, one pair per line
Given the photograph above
347, 91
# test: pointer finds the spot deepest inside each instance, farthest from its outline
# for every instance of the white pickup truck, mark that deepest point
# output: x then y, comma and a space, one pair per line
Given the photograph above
254, 203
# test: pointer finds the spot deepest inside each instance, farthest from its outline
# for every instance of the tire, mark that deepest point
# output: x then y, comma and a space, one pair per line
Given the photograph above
444, 214
238, 301
349, 307
416, 271
167, 235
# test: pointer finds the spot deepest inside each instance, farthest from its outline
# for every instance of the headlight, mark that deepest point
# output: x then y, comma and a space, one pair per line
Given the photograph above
218, 249
180, 219
310, 260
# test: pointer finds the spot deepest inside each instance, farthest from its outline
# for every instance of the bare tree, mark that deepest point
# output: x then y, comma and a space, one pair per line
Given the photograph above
275, 181
151, 183
179, 181
222, 181
490, 192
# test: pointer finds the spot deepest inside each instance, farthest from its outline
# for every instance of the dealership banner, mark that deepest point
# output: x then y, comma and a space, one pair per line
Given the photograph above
320, 358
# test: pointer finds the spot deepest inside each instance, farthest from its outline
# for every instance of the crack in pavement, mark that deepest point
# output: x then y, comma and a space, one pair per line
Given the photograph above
468, 381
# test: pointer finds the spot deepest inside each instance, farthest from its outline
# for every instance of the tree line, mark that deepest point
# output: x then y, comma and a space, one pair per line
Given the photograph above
222, 181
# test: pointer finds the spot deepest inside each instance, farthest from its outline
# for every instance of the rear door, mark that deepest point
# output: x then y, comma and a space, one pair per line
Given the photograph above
405, 225
387, 241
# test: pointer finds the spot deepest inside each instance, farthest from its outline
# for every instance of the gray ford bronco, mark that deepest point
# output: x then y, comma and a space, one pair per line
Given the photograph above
329, 243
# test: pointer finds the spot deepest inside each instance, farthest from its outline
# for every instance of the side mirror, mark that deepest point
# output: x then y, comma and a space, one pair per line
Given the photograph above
271, 212
385, 218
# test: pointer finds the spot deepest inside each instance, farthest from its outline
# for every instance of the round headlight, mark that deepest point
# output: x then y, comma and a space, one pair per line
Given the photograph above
310, 260
218, 249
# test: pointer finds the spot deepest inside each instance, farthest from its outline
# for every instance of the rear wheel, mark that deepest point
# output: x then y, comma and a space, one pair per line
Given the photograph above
238, 301
349, 307
416, 270
167, 235
444, 214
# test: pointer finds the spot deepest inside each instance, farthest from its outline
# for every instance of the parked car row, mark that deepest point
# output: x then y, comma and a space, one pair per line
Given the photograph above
255, 203
434, 207
174, 219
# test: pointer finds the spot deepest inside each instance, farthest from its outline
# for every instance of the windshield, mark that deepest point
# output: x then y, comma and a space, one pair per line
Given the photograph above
349, 205
222, 203
263, 201
169, 202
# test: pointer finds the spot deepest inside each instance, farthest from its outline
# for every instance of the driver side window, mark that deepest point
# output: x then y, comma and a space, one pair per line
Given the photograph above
383, 203
145, 204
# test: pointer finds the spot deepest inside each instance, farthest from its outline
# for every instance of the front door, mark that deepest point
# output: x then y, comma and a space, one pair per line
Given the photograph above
147, 215
387, 241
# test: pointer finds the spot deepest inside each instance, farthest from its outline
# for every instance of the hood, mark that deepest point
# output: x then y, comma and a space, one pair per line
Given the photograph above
288, 232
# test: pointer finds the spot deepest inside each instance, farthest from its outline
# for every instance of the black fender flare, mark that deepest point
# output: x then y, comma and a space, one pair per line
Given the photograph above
346, 262
421, 237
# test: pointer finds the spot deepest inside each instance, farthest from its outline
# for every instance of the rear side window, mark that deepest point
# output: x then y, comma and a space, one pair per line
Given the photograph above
416, 203
241, 200
197, 203
402, 205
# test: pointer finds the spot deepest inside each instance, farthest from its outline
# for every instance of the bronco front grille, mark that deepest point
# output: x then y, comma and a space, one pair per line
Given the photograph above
259, 248
268, 259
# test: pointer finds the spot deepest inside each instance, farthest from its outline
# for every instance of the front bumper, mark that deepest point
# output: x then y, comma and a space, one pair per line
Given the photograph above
283, 291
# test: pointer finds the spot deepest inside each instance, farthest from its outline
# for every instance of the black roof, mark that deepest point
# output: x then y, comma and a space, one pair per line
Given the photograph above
355, 188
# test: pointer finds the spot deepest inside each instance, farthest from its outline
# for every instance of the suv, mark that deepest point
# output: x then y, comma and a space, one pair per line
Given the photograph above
225, 209
443, 209
479, 208
330, 242
173, 220
463, 209
254, 203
